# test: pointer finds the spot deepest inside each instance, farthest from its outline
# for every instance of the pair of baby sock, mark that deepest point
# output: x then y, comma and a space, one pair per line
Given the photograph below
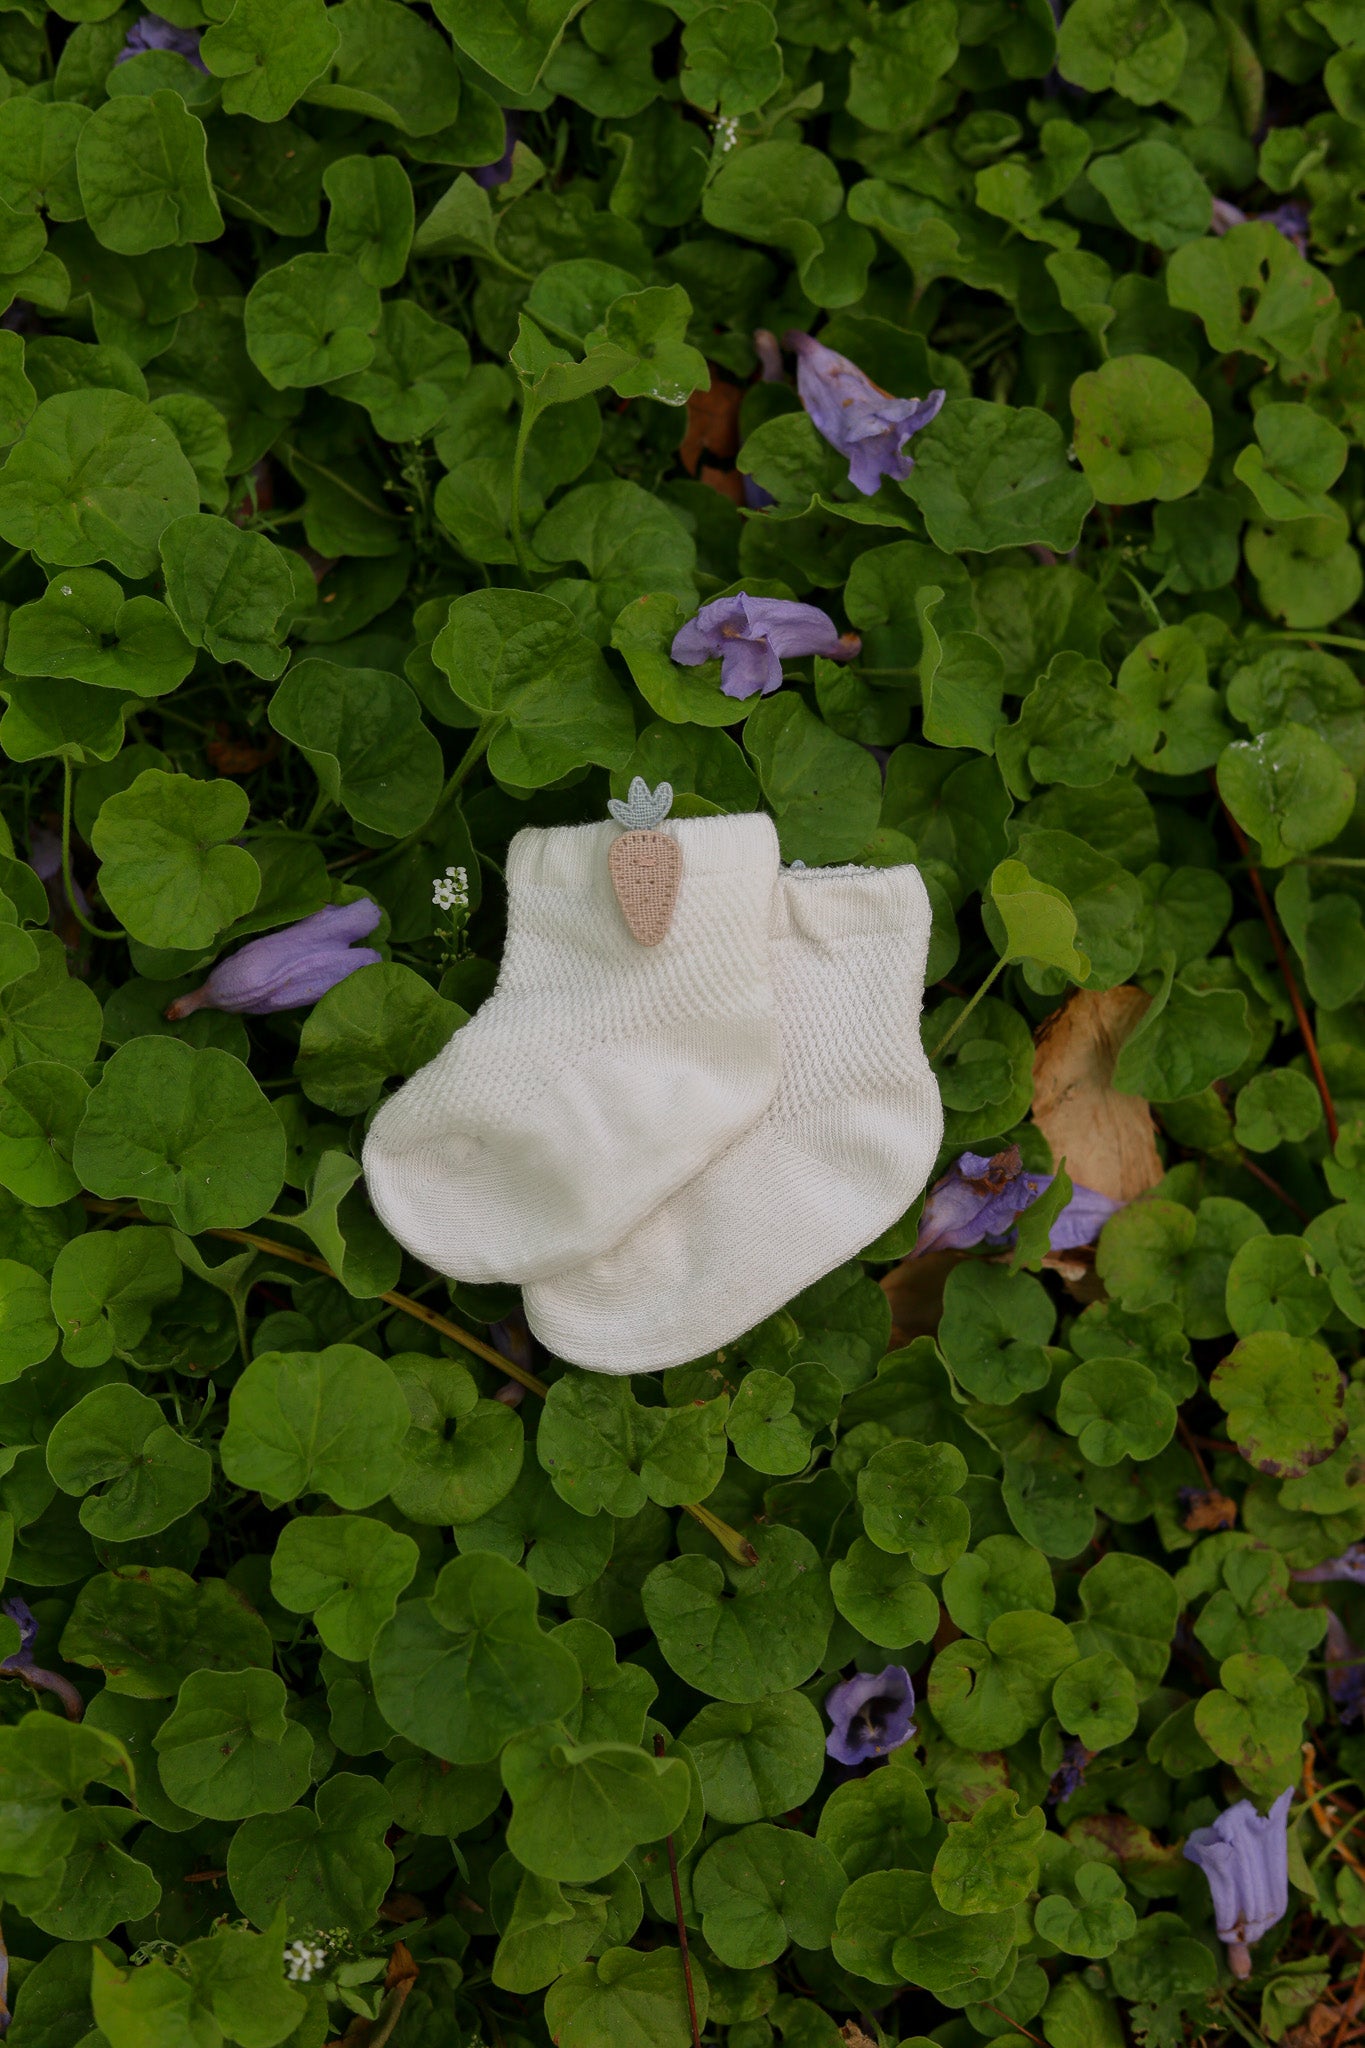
665, 1142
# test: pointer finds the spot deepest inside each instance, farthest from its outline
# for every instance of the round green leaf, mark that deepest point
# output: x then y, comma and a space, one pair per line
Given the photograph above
311, 320
763, 1887
883, 1597
144, 175
182, 1130
1288, 789
461, 1455
347, 1571
891, 1929
1274, 1284
995, 476
1115, 1408
97, 476
41, 1105
907, 1493
105, 1288
631, 1998
1142, 430
169, 870
227, 1749
759, 1760
27, 1331
578, 1809
1283, 1398
740, 1632
361, 731
1097, 1700
68, 631
990, 1862
1003, 1575
328, 1422
119, 1440
329, 1868
987, 1695
994, 1330
463, 1671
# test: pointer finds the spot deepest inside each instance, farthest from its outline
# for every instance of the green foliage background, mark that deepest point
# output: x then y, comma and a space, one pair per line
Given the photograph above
348, 530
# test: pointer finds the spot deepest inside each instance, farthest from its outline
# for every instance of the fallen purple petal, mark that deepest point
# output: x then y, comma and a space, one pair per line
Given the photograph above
979, 1200
1245, 1857
751, 636
870, 1715
150, 32
289, 969
856, 416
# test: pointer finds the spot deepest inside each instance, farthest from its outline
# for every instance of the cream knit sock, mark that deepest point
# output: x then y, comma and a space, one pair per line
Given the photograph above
844, 1147
600, 1074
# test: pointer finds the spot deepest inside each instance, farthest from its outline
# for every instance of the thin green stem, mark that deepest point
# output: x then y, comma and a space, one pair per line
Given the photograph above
525, 424
1326, 860
1319, 639
951, 1033
67, 884
14, 559
468, 762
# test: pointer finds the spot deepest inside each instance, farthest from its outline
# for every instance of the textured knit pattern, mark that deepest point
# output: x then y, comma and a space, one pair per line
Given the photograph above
600, 1074
839, 1155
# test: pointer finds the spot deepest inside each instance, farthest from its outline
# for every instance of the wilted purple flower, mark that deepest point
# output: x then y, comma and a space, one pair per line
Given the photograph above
45, 859
21, 1664
1345, 1671
150, 32
871, 1714
978, 1199
856, 416
489, 175
1245, 1857
752, 635
289, 969
769, 355
1069, 1775
1291, 218
755, 497
1348, 1569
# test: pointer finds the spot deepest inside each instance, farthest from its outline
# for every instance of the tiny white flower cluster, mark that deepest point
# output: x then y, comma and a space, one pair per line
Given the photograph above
304, 1959
451, 890
727, 132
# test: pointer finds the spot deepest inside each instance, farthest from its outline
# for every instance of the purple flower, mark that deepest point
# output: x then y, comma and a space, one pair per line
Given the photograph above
751, 636
152, 33
1348, 1569
45, 859
770, 370
856, 416
489, 175
1345, 1672
870, 1713
289, 969
1069, 1775
1245, 1857
1291, 218
21, 1664
978, 1199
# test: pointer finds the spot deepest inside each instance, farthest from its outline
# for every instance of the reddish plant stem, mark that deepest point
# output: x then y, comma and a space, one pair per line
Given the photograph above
1310, 1043
1268, 1181
1350, 2008
682, 1924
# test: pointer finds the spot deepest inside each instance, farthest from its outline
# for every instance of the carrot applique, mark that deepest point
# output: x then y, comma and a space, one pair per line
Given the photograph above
645, 863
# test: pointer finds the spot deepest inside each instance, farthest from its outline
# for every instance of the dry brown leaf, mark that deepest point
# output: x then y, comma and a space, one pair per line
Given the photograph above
1316, 2030
728, 482
853, 2034
712, 424
914, 1289
1107, 1139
